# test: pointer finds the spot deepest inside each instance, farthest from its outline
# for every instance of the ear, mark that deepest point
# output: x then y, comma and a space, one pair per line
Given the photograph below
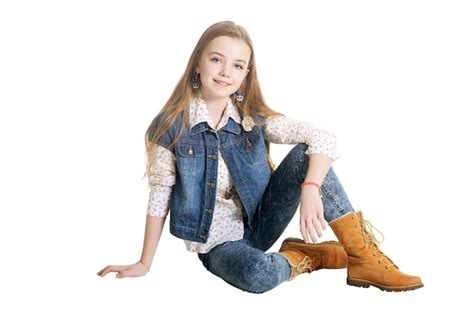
196, 70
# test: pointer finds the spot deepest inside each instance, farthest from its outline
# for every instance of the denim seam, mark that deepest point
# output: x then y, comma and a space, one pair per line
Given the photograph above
332, 200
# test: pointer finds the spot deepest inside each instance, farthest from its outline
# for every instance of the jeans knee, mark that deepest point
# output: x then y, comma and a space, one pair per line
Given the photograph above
299, 160
260, 278
299, 150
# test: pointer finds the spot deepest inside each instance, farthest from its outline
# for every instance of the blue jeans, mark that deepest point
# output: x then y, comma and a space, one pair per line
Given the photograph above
244, 263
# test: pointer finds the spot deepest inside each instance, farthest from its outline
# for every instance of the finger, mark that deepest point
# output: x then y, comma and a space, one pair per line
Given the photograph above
312, 234
113, 268
323, 224
317, 226
322, 221
126, 273
121, 274
304, 234
101, 271
104, 271
303, 231
308, 231
308, 237
118, 267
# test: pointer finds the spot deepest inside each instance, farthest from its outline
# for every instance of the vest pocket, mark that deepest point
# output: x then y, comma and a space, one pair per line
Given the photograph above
189, 150
189, 159
249, 142
252, 149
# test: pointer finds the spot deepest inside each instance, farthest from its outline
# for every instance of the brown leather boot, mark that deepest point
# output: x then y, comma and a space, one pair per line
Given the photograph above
305, 257
368, 265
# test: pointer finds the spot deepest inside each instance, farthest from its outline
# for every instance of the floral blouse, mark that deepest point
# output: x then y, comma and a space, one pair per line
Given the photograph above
227, 222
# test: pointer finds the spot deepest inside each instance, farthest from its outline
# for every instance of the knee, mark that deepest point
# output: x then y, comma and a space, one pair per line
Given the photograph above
299, 150
297, 161
260, 278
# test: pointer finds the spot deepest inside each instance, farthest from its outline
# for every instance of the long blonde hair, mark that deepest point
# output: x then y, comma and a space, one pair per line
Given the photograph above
253, 103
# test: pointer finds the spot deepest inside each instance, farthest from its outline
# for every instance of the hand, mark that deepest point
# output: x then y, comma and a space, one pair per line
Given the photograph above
311, 214
137, 269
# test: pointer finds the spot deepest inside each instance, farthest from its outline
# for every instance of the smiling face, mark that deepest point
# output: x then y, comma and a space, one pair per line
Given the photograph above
222, 67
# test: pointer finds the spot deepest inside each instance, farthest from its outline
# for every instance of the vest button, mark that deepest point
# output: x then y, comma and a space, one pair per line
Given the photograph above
248, 142
212, 184
210, 210
214, 157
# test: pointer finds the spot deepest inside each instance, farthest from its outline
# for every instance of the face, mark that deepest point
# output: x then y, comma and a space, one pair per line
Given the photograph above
222, 67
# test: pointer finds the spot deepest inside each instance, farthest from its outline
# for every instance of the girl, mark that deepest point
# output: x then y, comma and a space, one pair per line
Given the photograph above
208, 162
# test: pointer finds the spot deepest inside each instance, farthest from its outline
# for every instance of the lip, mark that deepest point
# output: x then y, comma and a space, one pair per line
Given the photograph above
221, 83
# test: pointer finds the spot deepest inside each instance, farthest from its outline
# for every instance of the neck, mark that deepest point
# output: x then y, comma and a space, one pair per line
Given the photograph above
215, 102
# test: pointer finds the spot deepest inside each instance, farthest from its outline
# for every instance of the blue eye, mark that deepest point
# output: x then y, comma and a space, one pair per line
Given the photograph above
215, 59
239, 67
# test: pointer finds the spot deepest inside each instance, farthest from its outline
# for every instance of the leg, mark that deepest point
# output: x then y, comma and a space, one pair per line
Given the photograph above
335, 200
367, 264
244, 264
245, 267
282, 197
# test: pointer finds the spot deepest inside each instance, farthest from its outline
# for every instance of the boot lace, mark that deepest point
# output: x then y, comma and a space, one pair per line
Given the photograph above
305, 265
372, 243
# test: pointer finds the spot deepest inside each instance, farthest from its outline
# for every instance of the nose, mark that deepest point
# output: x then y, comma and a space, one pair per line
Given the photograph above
225, 71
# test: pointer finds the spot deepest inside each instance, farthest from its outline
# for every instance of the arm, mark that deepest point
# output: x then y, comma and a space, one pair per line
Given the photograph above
311, 207
312, 220
322, 151
153, 228
322, 144
161, 180
285, 130
318, 168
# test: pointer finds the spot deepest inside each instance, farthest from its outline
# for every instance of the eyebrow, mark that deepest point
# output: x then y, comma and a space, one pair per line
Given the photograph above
218, 53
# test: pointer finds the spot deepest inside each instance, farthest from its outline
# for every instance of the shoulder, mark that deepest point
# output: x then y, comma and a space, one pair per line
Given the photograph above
279, 119
262, 121
161, 119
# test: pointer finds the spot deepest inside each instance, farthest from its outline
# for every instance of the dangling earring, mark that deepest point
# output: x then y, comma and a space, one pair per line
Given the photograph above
239, 95
196, 80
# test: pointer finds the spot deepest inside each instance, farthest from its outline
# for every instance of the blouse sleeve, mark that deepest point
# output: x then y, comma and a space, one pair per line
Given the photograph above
284, 130
161, 180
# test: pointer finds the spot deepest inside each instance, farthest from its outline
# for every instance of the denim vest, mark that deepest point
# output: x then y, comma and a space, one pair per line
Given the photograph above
194, 193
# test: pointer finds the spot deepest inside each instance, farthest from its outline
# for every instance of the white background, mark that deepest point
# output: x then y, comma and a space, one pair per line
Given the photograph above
80, 81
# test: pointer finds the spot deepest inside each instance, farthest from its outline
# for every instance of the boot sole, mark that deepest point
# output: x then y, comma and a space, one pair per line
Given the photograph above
365, 284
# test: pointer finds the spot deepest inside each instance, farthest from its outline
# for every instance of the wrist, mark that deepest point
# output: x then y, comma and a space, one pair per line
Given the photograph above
312, 183
146, 265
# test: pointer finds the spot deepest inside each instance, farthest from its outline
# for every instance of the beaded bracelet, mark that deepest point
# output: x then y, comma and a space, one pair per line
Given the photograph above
313, 183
